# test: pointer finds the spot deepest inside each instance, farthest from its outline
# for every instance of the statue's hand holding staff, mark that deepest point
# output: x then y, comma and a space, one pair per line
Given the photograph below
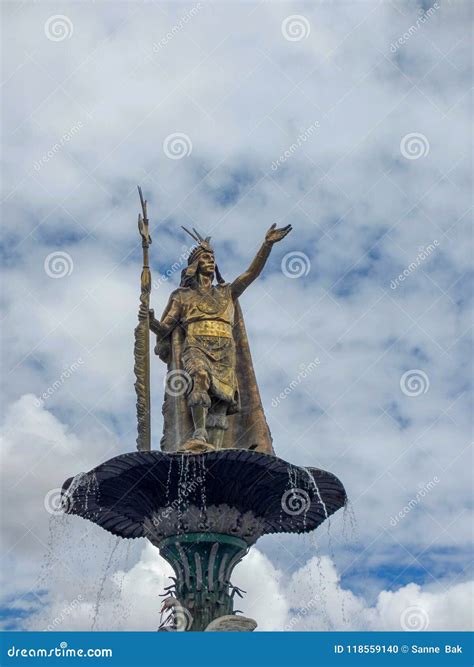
144, 313
154, 324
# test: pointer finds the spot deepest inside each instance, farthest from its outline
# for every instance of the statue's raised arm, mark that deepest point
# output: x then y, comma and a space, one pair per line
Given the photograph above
272, 236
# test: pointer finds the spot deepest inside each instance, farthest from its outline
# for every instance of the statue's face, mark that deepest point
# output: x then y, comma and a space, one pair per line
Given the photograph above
207, 264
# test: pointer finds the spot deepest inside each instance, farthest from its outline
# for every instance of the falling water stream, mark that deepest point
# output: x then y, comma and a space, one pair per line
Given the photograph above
322, 584
168, 483
202, 481
184, 462
120, 608
349, 527
103, 580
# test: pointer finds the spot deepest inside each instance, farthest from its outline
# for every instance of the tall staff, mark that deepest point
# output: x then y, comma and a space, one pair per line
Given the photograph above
142, 339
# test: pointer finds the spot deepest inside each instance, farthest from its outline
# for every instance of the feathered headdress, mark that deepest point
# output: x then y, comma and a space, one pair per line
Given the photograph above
203, 245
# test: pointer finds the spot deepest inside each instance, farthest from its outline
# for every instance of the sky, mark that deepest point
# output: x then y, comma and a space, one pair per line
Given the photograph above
349, 120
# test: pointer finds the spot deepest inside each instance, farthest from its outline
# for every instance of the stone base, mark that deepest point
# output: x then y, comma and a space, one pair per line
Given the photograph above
232, 624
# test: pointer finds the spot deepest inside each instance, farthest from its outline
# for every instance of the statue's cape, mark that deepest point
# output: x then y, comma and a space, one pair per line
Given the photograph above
248, 428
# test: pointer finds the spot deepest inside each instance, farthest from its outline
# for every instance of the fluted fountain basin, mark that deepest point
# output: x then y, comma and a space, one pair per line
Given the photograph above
237, 492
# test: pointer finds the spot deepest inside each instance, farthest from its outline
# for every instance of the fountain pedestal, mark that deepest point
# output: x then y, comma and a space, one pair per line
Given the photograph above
203, 564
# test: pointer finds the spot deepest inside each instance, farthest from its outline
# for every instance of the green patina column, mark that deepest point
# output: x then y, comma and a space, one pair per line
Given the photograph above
203, 564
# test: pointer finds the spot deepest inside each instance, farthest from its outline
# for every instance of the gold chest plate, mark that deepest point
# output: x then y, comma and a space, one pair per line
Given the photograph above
210, 328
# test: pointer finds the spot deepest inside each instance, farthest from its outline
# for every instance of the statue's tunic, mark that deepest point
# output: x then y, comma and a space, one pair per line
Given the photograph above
207, 317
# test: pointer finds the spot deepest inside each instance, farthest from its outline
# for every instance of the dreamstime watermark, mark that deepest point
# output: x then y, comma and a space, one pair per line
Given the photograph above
414, 619
177, 382
57, 384
306, 369
295, 501
175, 505
181, 618
300, 140
302, 612
55, 148
65, 612
177, 145
420, 21
61, 651
58, 28
295, 264
176, 266
55, 502
423, 253
414, 382
423, 491
58, 264
414, 145
177, 27
295, 28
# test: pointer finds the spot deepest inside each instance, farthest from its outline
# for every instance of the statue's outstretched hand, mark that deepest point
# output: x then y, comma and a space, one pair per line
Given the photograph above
275, 234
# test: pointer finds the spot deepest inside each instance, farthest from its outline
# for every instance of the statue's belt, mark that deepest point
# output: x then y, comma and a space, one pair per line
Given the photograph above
210, 328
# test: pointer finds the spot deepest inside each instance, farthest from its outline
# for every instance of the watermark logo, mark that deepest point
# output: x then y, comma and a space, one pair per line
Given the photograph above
58, 28
295, 501
414, 619
55, 502
423, 254
420, 21
55, 148
177, 383
158, 519
58, 264
423, 491
300, 140
303, 611
177, 145
306, 369
177, 27
295, 264
295, 28
57, 384
65, 612
61, 651
414, 146
180, 618
414, 382
176, 266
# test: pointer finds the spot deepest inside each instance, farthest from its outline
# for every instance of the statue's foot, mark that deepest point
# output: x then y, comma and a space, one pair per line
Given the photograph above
200, 434
194, 446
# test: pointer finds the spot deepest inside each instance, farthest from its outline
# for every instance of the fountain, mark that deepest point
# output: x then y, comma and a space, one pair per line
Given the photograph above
216, 486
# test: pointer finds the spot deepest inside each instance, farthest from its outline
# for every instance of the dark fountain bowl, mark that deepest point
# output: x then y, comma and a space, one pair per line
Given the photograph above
234, 491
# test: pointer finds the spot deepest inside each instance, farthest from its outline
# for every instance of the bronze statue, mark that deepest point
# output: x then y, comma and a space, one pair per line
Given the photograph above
211, 399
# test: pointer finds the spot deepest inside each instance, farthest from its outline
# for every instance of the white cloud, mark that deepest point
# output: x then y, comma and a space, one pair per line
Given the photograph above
319, 602
39, 453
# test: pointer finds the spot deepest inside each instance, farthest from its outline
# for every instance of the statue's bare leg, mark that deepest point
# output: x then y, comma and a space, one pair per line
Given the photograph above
199, 403
217, 423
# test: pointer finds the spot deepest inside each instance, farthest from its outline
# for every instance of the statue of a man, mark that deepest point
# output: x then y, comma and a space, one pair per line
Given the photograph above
201, 336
